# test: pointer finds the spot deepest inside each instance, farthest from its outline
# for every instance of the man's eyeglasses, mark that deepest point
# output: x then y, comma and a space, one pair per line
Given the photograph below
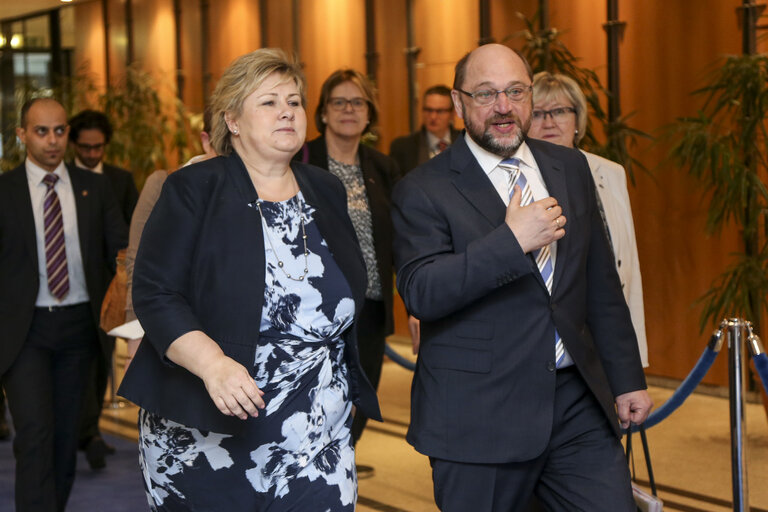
515, 93
341, 103
557, 114
436, 110
89, 147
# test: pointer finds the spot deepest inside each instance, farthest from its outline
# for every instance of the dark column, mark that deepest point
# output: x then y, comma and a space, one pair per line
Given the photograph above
105, 21
204, 41
129, 57
371, 55
296, 22
615, 31
179, 56
485, 23
748, 13
57, 60
264, 23
411, 54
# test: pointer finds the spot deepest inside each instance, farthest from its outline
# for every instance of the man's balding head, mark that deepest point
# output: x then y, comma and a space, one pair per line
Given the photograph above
43, 130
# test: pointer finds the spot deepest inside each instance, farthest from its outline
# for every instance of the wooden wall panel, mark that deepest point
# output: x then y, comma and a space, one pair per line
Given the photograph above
391, 45
662, 62
280, 24
332, 37
89, 54
234, 27
118, 40
191, 55
453, 29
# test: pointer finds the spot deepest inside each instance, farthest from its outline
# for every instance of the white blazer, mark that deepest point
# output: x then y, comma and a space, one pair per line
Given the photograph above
611, 182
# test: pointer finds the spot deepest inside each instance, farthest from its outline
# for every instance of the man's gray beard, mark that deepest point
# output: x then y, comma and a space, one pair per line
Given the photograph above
486, 141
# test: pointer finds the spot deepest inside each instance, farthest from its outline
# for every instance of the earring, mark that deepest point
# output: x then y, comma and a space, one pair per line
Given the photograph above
235, 131
576, 132
324, 119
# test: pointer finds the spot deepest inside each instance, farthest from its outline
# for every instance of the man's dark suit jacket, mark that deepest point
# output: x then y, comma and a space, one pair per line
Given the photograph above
200, 266
125, 189
410, 151
380, 174
484, 384
102, 233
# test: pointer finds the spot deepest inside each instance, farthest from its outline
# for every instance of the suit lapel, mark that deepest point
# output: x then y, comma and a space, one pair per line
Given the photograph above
83, 203
344, 250
474, 184
553, 173
23, 205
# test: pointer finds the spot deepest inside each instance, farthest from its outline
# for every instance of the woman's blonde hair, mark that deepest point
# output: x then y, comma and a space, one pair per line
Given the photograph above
240, 79
551, 87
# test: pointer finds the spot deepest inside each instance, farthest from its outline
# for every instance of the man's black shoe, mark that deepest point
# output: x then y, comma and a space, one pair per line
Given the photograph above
95, 452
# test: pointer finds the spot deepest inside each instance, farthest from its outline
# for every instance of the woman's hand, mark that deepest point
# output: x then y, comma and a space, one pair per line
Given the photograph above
232, 388
229, 384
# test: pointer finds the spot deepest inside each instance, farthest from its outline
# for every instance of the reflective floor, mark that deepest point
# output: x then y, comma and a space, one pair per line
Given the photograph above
690, 452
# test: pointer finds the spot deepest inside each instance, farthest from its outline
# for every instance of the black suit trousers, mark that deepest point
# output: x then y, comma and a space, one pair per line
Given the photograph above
583, 467
371, 339
45, 386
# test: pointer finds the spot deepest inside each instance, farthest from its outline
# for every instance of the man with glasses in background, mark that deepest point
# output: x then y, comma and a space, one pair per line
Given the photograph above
528, 363
89, 133
436, 133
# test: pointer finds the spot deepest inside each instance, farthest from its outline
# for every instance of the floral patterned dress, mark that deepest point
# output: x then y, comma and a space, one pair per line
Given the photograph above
297, 455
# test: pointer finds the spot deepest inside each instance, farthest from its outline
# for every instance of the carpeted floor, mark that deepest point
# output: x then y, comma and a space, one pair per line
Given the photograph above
117, 488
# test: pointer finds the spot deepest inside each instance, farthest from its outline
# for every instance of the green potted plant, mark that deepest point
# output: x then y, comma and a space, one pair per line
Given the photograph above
724, 148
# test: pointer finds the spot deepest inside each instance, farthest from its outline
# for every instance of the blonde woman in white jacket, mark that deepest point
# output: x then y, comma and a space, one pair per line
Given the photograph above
560, 117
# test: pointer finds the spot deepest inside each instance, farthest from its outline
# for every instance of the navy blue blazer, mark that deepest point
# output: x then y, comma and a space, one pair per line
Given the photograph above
484, 384
102, 233
200, 266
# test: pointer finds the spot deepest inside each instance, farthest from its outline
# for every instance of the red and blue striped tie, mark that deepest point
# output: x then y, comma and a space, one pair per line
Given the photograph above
543, 255
55, 249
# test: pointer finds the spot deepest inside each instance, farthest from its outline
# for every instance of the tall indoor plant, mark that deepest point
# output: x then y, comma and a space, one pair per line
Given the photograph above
724, 147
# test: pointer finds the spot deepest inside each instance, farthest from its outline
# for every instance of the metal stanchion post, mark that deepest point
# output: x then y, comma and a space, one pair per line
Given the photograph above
736, 379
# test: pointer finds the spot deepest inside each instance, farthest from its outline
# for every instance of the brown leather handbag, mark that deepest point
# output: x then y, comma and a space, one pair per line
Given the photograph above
113, 305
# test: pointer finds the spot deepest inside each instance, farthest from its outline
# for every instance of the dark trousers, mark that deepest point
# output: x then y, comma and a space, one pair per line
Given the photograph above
96, 388
370, 345
44, 387
582, 469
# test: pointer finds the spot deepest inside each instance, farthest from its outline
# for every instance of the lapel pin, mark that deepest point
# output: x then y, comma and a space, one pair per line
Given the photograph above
85, 193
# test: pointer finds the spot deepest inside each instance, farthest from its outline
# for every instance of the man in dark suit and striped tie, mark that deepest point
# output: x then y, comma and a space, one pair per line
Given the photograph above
60, 231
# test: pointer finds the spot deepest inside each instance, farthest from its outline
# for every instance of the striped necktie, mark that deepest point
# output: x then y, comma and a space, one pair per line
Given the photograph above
55, 249
543, 255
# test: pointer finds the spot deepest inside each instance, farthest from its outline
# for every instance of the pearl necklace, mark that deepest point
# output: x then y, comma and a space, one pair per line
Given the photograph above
269, 239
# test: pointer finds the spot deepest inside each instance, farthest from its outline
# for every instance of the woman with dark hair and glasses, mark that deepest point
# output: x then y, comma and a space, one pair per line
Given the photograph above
347, 110
560, 116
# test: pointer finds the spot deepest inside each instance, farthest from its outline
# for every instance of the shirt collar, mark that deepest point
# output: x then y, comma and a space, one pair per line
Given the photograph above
433, 140
35, 173
489, 161
99, 169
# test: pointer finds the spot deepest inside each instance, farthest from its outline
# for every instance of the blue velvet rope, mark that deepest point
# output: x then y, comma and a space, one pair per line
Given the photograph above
405, 363
761, 364
683, 391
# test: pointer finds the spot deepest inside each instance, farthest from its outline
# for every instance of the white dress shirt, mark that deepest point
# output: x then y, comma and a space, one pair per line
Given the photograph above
489, 162
78, 292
